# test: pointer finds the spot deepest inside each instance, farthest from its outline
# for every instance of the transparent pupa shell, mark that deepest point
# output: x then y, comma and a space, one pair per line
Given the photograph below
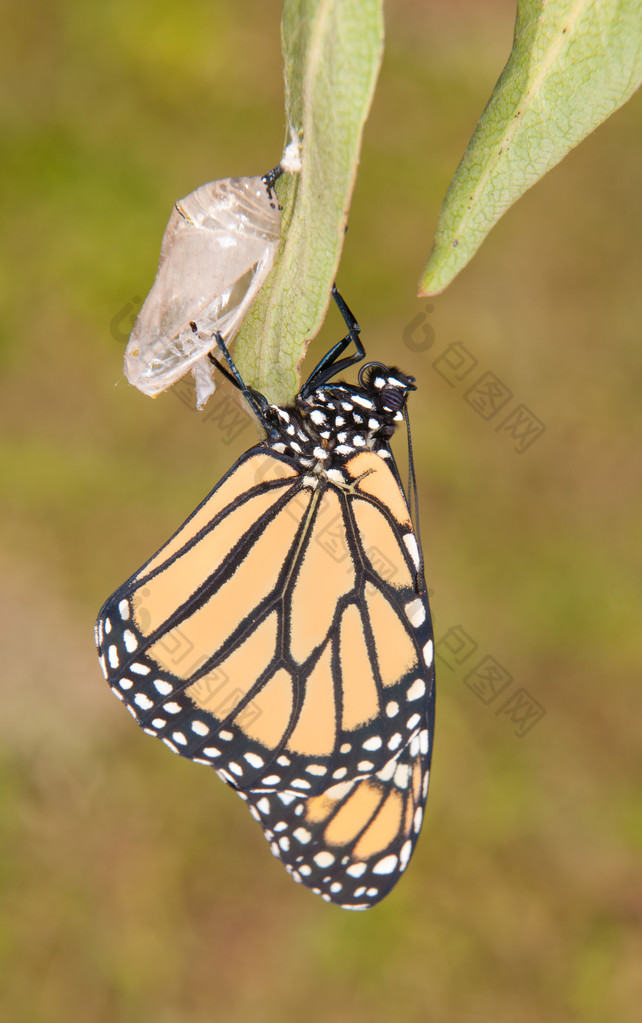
217, 250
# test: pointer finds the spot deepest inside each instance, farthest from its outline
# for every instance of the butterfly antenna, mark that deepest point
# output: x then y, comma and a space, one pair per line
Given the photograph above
413, 504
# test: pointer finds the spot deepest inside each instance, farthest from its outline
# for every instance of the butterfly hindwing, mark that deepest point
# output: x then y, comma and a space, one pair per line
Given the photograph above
351, 842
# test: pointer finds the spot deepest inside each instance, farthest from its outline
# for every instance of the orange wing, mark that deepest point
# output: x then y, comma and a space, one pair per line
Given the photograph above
279, 638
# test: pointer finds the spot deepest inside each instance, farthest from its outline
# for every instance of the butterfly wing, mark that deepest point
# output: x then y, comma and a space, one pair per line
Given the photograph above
351, 843
186, 640
278, 636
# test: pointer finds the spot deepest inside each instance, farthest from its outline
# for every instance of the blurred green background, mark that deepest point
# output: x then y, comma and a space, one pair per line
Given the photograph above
134, 886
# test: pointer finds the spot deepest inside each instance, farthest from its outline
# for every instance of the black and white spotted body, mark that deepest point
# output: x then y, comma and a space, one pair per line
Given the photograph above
336, 421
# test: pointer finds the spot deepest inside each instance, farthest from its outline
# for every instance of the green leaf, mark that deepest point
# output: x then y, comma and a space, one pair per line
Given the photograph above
572, 64
332, 51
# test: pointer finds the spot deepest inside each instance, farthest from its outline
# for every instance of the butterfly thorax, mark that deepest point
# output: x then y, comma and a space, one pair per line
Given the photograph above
336, 421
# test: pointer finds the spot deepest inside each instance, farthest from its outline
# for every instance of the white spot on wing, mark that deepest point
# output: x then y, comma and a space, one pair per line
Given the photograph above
254, 760
411, 547
387, 771
300, 783
286, 797
386, 865
131, 643
404, 855
340, 790
417, 690
356, 870
324, 859
416, 612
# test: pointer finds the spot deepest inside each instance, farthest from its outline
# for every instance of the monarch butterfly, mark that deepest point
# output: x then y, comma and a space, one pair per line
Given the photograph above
283, 634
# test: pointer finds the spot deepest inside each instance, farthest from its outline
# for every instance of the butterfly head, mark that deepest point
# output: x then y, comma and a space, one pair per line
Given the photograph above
387, 387
387, 384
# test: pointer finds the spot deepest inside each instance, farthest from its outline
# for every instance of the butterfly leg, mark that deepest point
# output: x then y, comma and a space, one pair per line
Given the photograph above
330, 365
257, 402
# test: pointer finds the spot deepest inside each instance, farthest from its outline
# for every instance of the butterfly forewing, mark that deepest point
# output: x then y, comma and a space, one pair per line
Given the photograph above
271, 633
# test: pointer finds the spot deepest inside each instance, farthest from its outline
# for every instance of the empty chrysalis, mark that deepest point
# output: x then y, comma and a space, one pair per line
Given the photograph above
217, 250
